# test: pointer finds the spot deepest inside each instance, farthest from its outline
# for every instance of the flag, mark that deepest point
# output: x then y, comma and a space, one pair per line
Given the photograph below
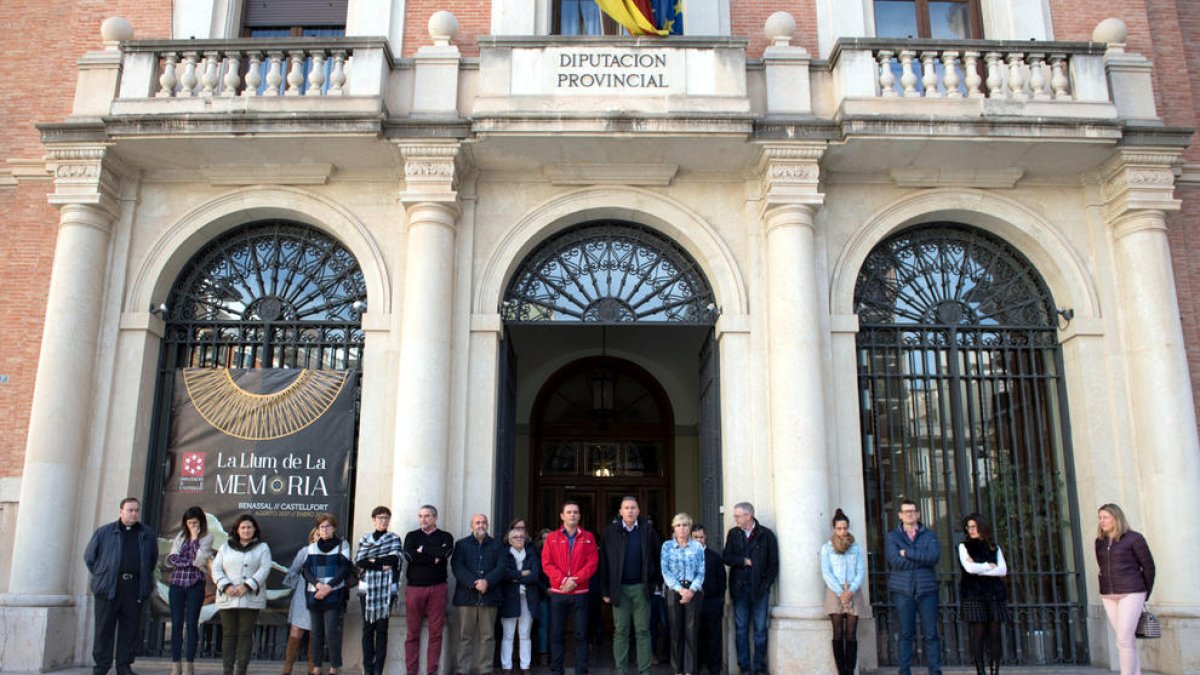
646, 17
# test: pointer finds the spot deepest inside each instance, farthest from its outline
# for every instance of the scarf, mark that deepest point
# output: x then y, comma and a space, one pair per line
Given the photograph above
378, 587
842, 544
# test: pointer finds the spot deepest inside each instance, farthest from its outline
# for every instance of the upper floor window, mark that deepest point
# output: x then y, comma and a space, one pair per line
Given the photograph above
940, 19
294, 18
584, 17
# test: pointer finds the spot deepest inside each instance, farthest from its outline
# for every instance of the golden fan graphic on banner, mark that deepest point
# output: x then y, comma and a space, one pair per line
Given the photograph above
259, 417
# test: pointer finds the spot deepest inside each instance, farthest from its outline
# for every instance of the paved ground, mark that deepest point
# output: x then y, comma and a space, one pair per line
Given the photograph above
209, 667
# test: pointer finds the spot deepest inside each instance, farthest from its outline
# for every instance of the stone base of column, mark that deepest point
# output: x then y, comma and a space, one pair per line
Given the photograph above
1178, 651
37, 639
798, 642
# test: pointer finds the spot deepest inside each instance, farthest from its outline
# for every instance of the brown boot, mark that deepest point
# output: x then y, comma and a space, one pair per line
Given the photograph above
176, 668
290, 653
189, 668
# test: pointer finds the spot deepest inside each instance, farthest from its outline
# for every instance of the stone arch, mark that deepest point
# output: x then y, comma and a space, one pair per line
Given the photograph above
1059, 264
190, 233
636, 205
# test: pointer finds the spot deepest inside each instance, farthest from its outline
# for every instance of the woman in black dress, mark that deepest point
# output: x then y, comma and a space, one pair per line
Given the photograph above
982, 592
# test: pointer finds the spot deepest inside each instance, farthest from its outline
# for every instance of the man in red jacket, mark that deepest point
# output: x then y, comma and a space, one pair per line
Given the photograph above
569, 558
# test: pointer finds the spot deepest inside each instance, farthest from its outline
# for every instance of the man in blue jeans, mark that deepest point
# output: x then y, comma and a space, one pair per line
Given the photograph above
752, 553
912, 552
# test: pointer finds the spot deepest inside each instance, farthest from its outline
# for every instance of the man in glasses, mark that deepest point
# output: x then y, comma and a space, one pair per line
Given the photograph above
912, 552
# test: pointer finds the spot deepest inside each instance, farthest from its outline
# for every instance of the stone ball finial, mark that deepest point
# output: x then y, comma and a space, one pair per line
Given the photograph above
115, 29
780, 28
1111, 30
443, 26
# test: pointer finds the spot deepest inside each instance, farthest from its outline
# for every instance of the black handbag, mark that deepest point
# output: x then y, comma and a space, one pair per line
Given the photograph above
1148, 628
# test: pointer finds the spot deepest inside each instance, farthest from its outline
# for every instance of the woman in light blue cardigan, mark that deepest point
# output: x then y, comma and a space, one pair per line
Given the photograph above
844, 568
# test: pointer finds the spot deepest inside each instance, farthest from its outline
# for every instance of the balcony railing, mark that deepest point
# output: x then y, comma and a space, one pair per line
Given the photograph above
248, 68
974, 69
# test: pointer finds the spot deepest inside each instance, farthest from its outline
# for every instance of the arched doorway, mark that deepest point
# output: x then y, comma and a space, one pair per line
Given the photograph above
581, 297
602, 428
265, 295
963, 409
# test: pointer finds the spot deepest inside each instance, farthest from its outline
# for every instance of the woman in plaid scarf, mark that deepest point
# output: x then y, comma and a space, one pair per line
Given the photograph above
378, 558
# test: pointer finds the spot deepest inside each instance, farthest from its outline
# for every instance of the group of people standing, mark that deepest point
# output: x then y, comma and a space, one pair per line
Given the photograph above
516, 582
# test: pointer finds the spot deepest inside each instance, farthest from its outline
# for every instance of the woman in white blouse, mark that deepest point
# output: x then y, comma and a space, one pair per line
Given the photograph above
982, 592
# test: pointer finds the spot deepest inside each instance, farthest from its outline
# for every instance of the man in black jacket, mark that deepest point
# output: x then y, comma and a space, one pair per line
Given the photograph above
713, 610
478, 565
121, 557
427, 550
752, 554
629, 571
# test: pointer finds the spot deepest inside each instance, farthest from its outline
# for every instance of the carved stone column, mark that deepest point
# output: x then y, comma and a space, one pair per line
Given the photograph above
39, 622
423, 392
1138, 185
796, 388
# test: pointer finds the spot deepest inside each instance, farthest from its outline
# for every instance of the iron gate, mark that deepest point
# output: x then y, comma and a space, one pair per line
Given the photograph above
963, 409
270, 294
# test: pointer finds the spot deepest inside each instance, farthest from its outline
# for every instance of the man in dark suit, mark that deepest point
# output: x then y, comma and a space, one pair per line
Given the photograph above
713, 611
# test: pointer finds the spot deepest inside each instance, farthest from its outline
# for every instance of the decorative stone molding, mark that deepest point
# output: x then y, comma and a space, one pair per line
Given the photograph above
611, 174
430, 173
912, 177
86, 174
1139, 179
791, 175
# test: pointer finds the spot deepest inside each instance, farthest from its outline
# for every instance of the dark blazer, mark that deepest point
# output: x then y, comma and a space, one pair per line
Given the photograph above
103, 559
762, 549
474, 560
1126, 565
914, 573
511, 589
714, 582
612, 558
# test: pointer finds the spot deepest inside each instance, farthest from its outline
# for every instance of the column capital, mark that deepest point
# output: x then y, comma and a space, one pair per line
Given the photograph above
86, 174
791, 174
430, 172
1139, 179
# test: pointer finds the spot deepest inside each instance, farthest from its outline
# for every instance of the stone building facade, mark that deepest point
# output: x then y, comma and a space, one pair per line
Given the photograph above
803, 254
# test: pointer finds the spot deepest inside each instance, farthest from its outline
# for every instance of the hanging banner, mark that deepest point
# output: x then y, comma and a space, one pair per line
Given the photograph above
271, 442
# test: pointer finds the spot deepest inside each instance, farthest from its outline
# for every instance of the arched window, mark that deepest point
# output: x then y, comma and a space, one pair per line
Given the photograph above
610, 272
963, 409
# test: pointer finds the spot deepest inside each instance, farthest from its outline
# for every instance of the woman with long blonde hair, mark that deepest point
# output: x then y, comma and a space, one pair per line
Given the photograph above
1126, 579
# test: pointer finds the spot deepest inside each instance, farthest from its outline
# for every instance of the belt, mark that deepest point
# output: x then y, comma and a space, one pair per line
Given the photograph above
126, 576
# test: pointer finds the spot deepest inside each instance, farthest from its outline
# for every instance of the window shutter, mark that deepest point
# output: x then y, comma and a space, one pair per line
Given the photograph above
295, 13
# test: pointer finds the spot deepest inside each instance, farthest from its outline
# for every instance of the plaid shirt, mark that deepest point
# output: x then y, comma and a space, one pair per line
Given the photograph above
183, 572
378, 587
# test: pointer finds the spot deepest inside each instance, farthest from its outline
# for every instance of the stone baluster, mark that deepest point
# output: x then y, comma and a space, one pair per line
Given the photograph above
295, 76
950, 77
887, 78
168, 80
1037, 77
316, 74
995, 78
274, 73
209, 77
188, 80
337, 76
908, 79
929, 80
1058, 77
1016, 76
973, 80
253, 73
233, 68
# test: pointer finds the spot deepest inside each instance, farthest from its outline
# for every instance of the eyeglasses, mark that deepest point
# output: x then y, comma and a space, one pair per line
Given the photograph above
906, 511
325, 526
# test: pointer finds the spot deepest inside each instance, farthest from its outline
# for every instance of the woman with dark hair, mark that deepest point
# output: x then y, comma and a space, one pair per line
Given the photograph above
326, 569
1126, 579
191, 551
844, 568
982, 592
240, 571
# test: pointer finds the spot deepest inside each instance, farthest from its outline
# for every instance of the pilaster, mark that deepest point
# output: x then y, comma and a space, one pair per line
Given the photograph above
1137, 185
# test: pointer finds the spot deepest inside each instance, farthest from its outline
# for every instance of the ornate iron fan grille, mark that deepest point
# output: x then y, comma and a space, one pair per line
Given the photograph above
610, 273
950, 275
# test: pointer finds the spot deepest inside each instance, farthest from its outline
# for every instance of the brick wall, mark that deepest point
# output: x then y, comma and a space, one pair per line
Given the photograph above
747, 18
474, 19
53, 34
